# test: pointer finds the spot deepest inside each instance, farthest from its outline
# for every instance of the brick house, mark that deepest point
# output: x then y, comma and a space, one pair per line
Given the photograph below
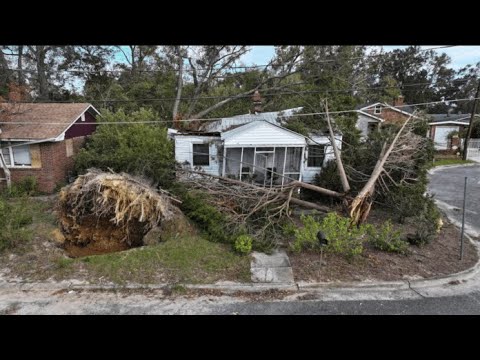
40, 140
372, 115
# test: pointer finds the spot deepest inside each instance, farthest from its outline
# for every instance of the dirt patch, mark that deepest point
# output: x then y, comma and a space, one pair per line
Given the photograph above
438, 258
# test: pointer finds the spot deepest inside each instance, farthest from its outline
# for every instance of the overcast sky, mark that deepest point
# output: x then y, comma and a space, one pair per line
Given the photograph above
460, 55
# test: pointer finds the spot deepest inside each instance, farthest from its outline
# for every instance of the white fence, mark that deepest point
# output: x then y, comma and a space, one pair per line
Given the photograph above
474, 150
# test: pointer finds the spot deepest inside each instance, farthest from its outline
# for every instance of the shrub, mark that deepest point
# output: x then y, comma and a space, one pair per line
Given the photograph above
13, 219
138, 149
306, 237
427, 224
207, 217
243, 244
27, 186
343, 238
386, 238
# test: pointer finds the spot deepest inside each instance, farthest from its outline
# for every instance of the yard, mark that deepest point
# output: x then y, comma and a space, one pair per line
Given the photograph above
189, 259
192, 259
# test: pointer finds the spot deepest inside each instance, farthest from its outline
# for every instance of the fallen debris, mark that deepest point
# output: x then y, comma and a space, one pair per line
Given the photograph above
105, 212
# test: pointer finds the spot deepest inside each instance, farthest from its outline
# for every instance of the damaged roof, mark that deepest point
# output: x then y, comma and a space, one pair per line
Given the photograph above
229, 123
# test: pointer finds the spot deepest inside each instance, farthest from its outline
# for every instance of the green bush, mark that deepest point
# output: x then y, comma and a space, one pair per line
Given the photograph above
207, 217
13, 219
306, 237
426, 224
243, 244
343, 238
27, 186
386, 238
139, 149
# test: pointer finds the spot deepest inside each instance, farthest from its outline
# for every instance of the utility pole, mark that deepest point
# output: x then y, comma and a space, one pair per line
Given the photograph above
470, 126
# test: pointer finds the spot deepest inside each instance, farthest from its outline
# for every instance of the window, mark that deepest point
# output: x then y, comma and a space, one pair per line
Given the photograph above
21, 155
377, 110
201, 155
17, 155
316, 154
372, 127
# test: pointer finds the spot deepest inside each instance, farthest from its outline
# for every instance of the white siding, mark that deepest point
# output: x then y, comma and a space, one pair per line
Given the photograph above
441, 133
262, 133
362, 124
310, 172
184, 152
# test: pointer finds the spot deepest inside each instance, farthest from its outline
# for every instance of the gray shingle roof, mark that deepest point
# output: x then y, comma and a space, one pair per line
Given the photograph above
450, 117
274, 117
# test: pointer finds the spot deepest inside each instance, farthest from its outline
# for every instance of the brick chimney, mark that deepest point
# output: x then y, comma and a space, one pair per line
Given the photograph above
398, 101
257, 102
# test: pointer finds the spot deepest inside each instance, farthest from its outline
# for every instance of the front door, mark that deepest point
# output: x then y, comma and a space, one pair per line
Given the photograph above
264, 158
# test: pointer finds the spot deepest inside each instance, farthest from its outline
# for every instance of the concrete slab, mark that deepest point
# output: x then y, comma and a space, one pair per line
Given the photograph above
278, 258
273, 268
272, 275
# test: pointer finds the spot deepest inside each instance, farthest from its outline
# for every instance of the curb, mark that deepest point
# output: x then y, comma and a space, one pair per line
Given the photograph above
443, 167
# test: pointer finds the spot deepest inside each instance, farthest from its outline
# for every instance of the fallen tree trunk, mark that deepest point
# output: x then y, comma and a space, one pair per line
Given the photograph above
285, 190
362, 203
338, 158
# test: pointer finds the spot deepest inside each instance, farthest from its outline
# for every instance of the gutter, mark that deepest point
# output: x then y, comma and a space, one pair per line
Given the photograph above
31, 142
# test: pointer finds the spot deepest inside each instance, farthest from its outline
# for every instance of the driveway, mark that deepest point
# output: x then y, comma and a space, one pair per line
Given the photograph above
447, 186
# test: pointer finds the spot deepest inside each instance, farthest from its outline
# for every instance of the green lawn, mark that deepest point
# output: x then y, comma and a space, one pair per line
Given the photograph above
187, 260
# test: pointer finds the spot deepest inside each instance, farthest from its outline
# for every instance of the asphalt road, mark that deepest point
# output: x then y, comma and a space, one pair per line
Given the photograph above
447, 186
452, 305
145, 304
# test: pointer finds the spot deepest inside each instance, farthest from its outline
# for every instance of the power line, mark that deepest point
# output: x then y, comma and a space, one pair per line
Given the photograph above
459, 81
220, 118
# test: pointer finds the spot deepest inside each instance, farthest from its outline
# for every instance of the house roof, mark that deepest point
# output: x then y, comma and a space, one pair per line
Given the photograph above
405, 107
45, 120
446, 118
262, 132
228, 123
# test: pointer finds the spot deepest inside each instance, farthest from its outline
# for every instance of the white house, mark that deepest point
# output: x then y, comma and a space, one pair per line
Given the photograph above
254, 148
443, 124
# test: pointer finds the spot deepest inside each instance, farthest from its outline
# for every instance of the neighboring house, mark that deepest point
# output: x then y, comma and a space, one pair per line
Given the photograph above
370, 116
441, 125
40, 139
254, 148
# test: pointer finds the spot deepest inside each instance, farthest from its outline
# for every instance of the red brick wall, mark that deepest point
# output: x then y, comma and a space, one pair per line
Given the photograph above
55, 165
389, 115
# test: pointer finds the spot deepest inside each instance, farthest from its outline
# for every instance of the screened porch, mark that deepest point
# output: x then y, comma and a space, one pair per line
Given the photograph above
266, 166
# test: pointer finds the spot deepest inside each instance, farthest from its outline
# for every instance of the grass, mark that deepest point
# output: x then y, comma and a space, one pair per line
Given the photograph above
180, 259
442, 162
186, 260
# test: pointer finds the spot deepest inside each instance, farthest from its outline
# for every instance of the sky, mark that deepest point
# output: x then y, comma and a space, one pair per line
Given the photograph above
460, 55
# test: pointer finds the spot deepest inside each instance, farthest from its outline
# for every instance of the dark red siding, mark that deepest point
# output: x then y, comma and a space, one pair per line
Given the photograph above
82, 129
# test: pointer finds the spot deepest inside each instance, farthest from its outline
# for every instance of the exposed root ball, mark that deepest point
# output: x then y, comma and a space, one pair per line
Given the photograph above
109, 212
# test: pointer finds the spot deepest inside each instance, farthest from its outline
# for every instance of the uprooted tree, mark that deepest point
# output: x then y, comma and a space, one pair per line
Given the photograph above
103, 212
